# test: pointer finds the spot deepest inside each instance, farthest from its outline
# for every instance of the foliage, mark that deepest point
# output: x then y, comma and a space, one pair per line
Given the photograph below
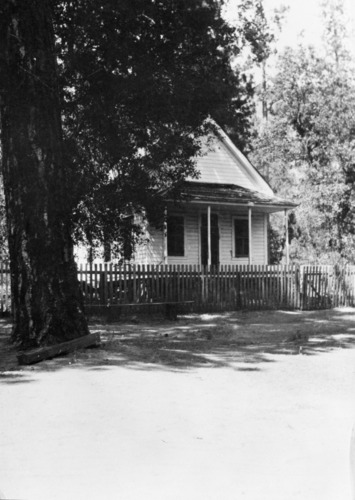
3, 231
140, 79
258, 32
276, 245
309, 147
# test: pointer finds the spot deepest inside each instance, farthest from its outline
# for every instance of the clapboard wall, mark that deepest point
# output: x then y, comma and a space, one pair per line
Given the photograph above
151, 251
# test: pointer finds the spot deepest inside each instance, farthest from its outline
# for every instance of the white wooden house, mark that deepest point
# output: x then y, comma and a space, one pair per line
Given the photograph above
225, 218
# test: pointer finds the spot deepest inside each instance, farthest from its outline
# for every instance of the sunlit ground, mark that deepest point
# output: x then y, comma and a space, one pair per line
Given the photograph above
250, 405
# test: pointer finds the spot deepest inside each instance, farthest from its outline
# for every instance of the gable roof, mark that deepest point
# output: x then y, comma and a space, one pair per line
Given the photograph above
222, 163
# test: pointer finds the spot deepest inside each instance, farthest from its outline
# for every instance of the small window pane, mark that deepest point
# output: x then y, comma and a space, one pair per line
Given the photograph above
241, 238
176, 243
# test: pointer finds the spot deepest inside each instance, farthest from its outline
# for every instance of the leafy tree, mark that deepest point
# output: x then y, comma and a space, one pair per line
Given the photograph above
103, 135
261, 34
140, 79
309, 143
336, 32
3, 231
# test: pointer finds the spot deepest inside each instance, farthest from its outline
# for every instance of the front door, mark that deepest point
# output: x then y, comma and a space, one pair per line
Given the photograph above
214, 240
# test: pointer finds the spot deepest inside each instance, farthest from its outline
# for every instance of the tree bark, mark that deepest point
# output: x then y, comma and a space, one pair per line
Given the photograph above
46, 301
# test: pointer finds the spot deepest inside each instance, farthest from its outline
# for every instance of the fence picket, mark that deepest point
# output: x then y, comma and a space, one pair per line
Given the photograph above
212, 288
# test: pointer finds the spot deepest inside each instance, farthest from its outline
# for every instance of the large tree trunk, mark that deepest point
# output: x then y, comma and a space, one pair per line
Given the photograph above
47, 305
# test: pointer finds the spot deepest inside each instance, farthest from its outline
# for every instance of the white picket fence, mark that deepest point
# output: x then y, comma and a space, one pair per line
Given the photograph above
222, 288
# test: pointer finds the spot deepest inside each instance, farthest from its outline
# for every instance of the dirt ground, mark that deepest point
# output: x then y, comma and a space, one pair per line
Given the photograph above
245, 405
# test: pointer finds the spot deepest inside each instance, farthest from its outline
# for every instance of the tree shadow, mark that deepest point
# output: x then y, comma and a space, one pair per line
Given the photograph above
245, 341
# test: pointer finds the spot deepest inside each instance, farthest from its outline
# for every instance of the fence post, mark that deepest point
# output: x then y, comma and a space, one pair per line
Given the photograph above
211, 288
305, 287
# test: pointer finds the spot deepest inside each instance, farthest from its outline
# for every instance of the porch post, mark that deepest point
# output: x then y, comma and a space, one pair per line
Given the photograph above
165, 236
209, 253
286, 238
266, 238
250, 205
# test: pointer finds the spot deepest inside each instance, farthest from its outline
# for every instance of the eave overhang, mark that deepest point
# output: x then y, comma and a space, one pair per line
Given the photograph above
231, 195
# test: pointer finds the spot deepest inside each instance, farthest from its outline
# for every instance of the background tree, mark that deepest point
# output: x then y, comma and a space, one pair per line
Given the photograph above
309, 144
260, 35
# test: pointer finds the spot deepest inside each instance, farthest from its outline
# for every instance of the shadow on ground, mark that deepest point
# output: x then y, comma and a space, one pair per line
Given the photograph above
244, 341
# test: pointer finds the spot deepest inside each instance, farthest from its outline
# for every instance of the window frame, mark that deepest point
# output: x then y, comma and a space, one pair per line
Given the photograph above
184, 235
234, 219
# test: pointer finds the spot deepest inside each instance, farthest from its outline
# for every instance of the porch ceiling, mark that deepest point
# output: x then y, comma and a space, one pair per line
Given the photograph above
233, 195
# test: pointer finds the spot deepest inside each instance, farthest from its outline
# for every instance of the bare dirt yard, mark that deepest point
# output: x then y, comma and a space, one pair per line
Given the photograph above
245, 405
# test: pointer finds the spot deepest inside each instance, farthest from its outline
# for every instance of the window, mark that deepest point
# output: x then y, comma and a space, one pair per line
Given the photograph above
241, 238
176, 236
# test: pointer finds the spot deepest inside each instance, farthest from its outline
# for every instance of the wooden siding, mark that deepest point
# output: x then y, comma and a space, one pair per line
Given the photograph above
221, 164
152, 251
227, 235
